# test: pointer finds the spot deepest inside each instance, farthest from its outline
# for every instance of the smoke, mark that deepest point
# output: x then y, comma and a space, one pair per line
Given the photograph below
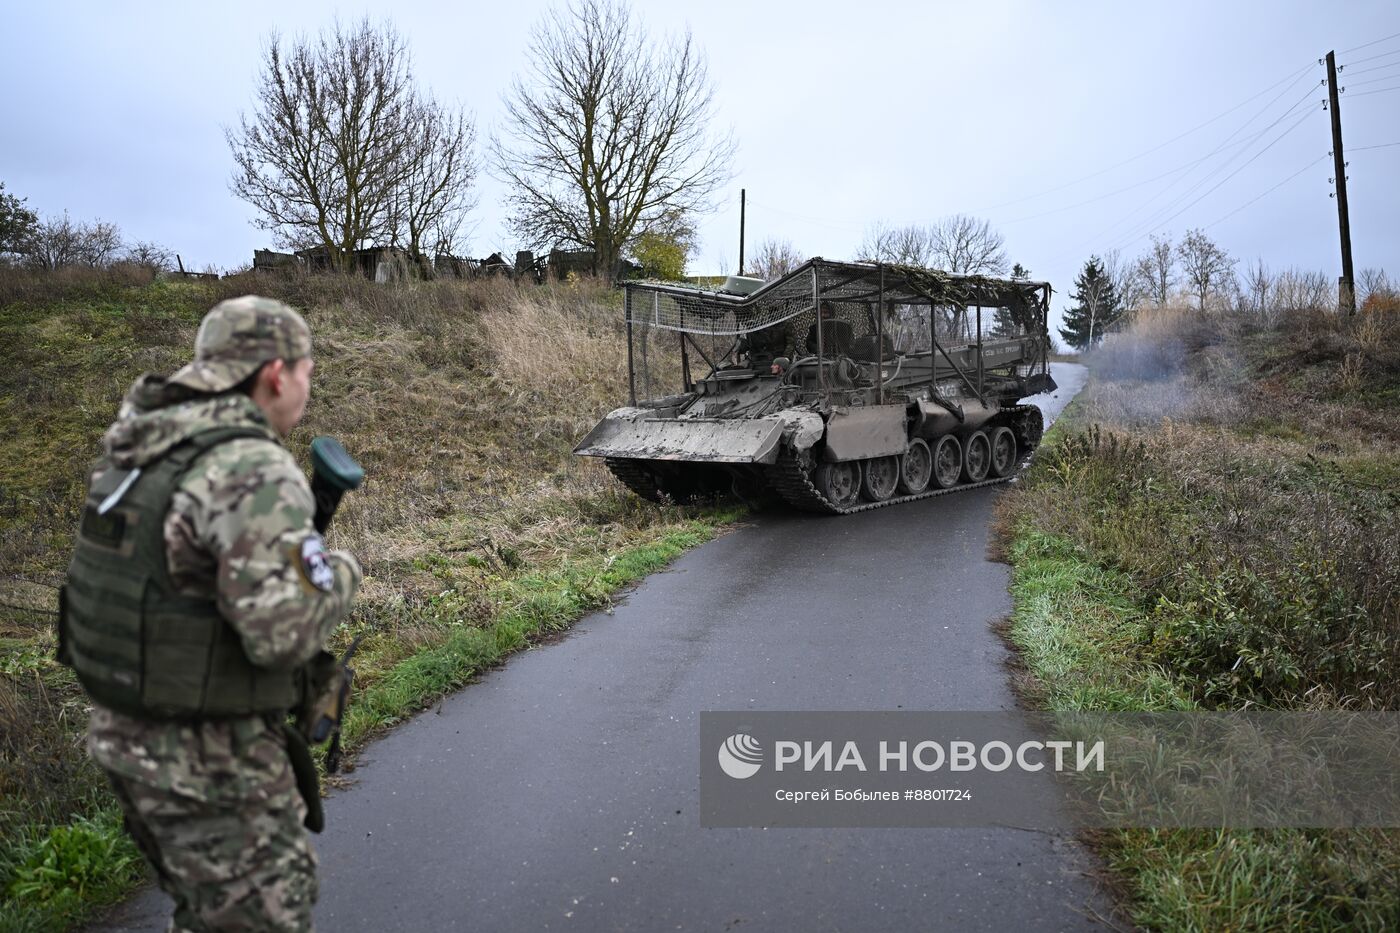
1170, 362
1152, 348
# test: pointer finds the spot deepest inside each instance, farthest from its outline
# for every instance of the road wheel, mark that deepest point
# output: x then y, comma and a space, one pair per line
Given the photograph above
839, 483
915, 468
879, 477
1003, 452
977, 457
947, 462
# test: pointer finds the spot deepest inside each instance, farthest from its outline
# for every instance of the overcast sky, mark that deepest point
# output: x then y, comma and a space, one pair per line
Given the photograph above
1074, 128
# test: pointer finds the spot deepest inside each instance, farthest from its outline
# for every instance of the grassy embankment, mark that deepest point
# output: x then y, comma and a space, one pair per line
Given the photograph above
1214, 525
478, 531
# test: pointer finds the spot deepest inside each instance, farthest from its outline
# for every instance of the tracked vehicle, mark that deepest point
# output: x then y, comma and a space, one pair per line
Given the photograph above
840, 386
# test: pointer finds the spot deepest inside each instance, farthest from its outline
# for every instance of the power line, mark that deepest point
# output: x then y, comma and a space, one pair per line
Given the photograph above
1369, 70
1371, 81
1367, 45
1160, 217
1222, 181
1364, 148
1381, 90
1291, 78
1190, 165
1154, 219
1371, 58
1266, 193
1176, 171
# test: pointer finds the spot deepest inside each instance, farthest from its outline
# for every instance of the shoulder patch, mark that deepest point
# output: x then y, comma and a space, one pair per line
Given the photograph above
315, 564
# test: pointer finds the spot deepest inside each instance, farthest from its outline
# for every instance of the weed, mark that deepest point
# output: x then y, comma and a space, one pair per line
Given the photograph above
1222, 534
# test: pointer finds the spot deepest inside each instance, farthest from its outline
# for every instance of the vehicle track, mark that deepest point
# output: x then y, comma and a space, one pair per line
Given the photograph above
790, 480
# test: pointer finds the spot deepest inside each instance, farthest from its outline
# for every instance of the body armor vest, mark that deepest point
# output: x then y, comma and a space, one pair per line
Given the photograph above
137, 645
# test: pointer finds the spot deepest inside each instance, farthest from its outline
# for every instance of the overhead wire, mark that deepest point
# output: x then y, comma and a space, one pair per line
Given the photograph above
1348, 74
1368, 58
1265, 193
1380, 146
1380, 90
1136, 227
1370, 81
1152, 228
1153, 224
1291, 78
1367, 45
1176, 171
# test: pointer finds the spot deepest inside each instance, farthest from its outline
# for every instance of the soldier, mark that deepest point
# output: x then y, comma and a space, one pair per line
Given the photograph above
197, 605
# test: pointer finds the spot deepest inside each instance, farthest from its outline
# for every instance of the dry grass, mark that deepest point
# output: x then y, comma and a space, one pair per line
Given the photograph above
461, 399
1214, 523
1245, 479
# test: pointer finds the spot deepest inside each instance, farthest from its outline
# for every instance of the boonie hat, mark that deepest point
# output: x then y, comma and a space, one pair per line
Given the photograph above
239, 335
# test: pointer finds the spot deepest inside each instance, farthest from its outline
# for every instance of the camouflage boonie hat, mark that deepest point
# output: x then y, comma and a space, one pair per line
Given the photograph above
239, 335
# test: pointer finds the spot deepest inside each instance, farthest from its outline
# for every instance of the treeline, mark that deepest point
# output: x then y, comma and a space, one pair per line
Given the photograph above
1199, 274
58, 241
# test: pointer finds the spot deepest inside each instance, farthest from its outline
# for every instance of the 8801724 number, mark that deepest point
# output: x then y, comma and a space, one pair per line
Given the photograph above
938, 794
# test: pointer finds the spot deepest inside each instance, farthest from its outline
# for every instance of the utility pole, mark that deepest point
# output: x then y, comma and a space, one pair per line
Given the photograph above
743, 197
1348, 282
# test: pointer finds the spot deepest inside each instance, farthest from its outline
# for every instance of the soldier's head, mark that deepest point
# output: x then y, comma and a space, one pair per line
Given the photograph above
258, 346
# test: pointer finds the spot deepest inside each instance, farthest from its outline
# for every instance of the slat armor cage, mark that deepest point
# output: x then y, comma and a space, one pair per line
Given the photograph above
675, 330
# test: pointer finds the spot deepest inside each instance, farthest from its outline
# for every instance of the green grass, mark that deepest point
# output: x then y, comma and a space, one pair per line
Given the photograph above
1208, 561
1078, 628
58, 878
479, 532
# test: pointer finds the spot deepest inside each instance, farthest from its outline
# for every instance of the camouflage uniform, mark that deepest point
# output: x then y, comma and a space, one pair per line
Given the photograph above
213, 804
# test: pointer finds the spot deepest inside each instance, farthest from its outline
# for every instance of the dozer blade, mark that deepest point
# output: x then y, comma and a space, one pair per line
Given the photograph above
703, 440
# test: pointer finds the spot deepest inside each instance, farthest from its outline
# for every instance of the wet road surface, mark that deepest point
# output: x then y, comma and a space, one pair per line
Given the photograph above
561, 791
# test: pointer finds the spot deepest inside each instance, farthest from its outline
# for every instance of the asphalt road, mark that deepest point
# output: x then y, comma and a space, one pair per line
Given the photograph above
561, 791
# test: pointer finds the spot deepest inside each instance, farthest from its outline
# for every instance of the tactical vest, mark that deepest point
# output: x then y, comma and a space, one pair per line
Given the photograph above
137, 645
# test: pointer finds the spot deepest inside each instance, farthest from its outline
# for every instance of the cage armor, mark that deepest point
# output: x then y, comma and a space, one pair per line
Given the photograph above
137, 645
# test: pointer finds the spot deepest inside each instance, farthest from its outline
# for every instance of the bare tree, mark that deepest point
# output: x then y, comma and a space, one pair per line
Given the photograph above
955, 244
911, 246
968, 245
56, 242
435, 195
1155, 271
608, 132
1122, 276
341, 152
1259, 284
152, 256
1209, 270
773, 259
61, 241
1374, 282
1295, 291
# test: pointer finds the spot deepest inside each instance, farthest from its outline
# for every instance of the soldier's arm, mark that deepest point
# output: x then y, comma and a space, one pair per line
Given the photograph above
277, 585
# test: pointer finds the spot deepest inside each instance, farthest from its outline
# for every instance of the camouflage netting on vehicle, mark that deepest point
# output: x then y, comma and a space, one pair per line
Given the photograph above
716, 313
679, 333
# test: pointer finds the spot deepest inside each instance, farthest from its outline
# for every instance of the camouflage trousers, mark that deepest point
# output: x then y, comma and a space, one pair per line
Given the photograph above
228, 867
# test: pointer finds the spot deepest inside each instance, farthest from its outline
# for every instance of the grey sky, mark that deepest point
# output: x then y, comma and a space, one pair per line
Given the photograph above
846, 114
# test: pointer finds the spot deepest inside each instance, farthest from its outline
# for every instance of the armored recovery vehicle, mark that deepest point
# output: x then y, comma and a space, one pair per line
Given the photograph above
840, 386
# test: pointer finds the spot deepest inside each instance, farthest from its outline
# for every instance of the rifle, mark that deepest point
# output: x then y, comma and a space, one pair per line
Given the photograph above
327, 712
